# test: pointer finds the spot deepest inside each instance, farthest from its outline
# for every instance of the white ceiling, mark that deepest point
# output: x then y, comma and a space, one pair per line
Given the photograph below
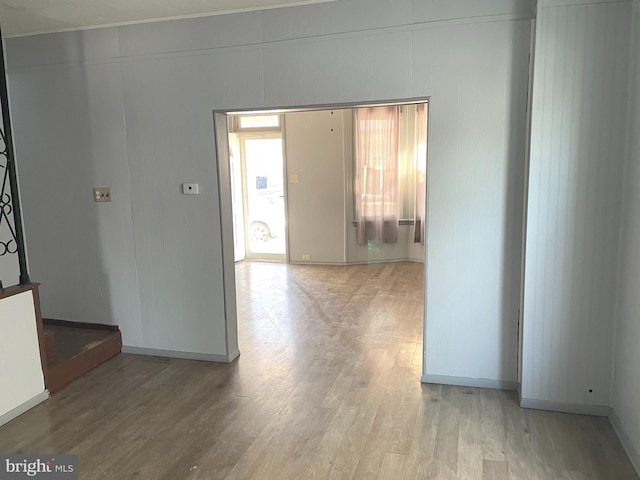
28, 17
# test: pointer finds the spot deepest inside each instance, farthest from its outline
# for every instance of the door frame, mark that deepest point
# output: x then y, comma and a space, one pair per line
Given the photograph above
221, 146
267, 134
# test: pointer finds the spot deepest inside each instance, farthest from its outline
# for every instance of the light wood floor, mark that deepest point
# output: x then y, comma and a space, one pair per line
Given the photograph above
327, 387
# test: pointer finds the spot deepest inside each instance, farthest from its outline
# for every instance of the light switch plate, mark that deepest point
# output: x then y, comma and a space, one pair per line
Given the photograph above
102, 194
190, 188
294, 179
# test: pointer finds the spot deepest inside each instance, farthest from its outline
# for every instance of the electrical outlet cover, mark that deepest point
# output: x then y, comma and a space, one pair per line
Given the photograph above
101, 194
190, 188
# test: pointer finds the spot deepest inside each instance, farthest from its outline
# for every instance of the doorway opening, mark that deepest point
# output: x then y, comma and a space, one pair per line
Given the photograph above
257, 164
302, 164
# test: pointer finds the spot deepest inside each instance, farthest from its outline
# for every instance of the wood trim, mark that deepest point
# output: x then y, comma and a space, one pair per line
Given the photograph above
85, 325
17, 289
44, 360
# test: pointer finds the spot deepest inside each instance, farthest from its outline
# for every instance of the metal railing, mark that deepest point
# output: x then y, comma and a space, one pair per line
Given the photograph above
11, 234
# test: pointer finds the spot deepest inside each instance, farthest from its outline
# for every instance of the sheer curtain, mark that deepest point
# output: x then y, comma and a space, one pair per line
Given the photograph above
377, 174
420, 153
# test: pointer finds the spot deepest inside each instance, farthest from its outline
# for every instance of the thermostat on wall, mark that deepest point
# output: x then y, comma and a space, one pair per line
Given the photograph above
190, 188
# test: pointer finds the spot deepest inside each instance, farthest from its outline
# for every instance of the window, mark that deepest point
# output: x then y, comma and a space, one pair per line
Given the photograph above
390, 169
259, 121
254, 123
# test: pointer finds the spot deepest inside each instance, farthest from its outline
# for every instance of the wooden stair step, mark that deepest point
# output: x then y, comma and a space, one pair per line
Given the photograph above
77, 349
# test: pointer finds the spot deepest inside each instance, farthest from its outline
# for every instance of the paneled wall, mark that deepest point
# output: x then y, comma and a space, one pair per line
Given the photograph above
70, 138
574, 201
474, 196
131, 108
626, 385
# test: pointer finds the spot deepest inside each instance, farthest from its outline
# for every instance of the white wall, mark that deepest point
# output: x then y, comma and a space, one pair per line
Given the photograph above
20, 368
82, 251
477, 76
319, 148
626, 386
316, 205
130, 107
577, 156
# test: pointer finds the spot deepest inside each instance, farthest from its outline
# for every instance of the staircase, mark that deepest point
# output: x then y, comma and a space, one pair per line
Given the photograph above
73, 349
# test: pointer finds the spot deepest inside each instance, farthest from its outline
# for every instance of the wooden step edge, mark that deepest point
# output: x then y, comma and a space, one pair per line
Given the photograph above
63, 373
88, 326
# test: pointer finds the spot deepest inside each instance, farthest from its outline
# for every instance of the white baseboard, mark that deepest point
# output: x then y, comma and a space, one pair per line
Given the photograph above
205, 357
627, 444
233, 355
20, 409
596, 410
469, 382
361, 262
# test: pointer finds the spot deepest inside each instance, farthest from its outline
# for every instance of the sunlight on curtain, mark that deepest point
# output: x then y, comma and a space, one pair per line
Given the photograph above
377, 174
407, 162
421, 172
